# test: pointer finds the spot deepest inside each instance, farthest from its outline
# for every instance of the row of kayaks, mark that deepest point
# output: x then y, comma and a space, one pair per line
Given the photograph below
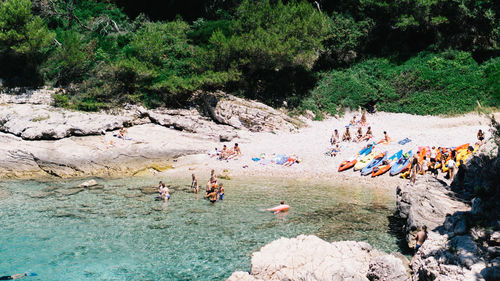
377, 163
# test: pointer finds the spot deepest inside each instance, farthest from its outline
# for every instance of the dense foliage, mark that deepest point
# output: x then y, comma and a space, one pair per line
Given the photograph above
446, 83
417, 56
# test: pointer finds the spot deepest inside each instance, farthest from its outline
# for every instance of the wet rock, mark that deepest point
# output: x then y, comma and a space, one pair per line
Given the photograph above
111, 192
133, 195
89, 183
159, 226
66, 214
149, 190
49, 188
69, 191
4, 193
40, 194
242, 276
225, 175
495, 238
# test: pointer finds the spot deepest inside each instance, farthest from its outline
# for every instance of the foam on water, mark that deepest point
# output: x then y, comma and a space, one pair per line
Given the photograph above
118, 233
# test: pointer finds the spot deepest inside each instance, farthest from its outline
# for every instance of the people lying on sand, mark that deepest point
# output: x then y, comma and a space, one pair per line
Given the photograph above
214, 153
386, 138
480, 137
362, 122
235, 152
334, 151
335, 137
194, 183
347, 135
290, 161
359, 135
221, 192
223, 152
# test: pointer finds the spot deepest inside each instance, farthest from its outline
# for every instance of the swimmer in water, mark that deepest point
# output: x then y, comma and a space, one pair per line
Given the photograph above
278, 209
16, 276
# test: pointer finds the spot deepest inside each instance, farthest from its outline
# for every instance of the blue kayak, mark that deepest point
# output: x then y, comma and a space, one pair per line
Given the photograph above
367, 149
402, 163
374, 163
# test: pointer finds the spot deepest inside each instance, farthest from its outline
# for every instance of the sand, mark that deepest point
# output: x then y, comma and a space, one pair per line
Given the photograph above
311, 142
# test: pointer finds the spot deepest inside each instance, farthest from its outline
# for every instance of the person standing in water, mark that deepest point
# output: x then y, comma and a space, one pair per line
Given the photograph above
221, 192
194, 183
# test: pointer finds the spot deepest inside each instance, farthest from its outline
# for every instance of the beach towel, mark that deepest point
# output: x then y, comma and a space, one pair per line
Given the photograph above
256, 159
281, 159
404, 141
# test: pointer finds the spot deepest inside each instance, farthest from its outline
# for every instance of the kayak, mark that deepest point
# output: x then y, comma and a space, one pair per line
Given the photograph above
364, 161
351, 162
374, 163
402, 164
384, 168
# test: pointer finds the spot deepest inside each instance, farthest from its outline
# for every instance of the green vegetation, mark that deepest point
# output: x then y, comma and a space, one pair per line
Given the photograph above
423, 57
450, 82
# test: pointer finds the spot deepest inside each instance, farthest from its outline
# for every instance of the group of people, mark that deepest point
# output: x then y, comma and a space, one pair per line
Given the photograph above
163, 192
439, 158
226, 153
214, 189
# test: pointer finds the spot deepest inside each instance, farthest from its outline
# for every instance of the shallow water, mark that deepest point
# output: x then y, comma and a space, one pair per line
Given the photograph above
119, 233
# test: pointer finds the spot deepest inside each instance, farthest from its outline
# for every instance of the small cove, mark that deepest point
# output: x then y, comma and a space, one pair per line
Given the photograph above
118, 233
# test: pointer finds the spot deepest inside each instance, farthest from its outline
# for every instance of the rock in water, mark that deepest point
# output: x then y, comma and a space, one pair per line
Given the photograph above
310, 258
88, 183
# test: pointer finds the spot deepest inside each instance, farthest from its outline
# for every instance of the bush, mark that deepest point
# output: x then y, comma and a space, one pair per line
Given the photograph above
450, 82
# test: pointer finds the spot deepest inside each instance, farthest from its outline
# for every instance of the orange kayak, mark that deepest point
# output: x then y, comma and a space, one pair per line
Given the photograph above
347, 164
380, 170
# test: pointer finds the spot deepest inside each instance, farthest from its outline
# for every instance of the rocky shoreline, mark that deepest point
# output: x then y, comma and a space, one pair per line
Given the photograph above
38, 140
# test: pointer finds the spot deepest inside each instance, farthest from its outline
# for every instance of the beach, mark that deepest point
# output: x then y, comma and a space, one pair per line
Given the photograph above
310, 144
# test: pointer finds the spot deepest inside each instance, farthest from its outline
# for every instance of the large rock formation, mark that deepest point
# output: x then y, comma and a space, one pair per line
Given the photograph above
244, 114
452, 251
310, 258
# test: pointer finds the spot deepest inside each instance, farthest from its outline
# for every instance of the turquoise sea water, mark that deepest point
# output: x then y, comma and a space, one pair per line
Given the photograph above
119, 233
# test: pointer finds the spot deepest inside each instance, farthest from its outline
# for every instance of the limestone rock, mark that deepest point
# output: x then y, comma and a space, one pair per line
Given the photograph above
245, 114
310, 258
242, 276
88, 183
385, 268
43, 122
191, 121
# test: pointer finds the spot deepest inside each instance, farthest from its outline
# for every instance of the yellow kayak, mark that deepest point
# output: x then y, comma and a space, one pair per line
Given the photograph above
364, 161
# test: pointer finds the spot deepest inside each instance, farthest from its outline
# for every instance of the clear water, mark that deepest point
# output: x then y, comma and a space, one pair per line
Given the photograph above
118, 233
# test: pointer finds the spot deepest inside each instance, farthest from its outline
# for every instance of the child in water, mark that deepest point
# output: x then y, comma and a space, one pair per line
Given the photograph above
221, 192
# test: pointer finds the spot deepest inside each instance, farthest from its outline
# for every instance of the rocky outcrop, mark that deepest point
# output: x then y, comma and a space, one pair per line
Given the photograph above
310, 258
31, 96
244, 114
452, 251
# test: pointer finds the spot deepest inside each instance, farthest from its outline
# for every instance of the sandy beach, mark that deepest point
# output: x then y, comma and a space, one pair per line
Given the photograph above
311, 143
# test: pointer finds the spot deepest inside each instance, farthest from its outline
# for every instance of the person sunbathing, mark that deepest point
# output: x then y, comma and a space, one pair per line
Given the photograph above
290, 161
353, 121
335, 137
368, 135
234, 152
347, 135
122, 133
223, 152
359, 135
386, 138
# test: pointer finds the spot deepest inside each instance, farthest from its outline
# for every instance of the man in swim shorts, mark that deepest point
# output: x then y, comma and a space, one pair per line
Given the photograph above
421, 237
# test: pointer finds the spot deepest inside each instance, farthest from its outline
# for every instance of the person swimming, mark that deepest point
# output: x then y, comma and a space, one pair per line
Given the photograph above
279, 209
